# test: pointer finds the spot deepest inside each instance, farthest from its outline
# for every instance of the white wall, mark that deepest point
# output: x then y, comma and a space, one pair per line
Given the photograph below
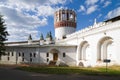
92, 35
63, 31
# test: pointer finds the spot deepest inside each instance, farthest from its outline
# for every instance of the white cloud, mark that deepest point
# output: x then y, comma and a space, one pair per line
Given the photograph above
113, 13
45, 10
99, 15
107, 3
25, 4
91, 9
71, 1
91, 6
91, 2
23, 17
20, 25
57, 1
102, 1
82, 8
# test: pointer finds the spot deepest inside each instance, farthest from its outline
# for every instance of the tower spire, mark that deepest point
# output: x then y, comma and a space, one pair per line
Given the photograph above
30, 37
95, 22
41, 37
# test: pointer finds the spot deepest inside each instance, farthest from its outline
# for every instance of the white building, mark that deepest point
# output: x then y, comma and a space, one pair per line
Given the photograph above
87, 47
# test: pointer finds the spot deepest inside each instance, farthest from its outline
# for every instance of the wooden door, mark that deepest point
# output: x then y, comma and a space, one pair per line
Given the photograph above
55, 56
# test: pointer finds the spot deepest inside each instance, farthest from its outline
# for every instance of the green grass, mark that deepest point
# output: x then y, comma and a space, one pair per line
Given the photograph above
112, 71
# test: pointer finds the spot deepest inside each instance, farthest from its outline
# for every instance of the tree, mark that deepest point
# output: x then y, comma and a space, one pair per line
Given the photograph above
3, 36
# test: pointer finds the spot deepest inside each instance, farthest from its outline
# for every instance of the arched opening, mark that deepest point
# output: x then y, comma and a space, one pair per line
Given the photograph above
104, 48
55, 54
84, 51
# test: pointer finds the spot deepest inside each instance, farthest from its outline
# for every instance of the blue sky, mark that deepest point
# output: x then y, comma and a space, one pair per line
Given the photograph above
24, 17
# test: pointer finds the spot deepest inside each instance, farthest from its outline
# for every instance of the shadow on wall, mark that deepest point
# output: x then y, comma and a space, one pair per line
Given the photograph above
40, 62
43, 60
81, 64
67, 60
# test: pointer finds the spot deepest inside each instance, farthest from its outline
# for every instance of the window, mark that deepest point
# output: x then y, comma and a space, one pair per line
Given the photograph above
8, 54
22, 54
64, 55
71, 17
34, 54
47, 59
12, 54
22, 59
64, 16
0, 58
57, 19
47, 55
19, 54
30, 59
8, 58
30, 54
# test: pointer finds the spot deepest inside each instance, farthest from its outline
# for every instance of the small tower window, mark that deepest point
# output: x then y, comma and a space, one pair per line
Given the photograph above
57, 19
64, 17
71, 17
64, 36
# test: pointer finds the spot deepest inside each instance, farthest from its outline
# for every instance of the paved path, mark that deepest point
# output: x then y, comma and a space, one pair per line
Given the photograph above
8, 73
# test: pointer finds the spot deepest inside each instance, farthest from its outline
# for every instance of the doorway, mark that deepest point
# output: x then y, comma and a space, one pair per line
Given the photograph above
55, 56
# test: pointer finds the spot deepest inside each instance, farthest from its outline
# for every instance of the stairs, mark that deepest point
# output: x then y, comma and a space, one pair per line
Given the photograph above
52, 63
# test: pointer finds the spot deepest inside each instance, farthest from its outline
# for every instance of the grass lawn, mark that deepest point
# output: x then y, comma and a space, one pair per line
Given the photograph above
112, 71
